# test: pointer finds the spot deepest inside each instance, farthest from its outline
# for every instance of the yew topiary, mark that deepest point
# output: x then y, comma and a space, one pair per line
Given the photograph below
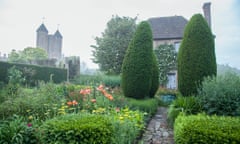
196, 57
138, 65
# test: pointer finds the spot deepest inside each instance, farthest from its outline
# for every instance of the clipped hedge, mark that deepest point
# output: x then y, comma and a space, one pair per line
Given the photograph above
149, 105
108, 80
79, 129
40, 72
206, 129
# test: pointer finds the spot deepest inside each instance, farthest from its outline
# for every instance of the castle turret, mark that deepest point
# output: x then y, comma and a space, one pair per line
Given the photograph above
207, 13
42, 37
51, 43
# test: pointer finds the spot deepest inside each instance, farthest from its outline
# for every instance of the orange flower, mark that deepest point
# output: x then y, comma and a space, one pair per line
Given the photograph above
74, 102
93, 100
109, 96
85, 91
100, 87
69, 103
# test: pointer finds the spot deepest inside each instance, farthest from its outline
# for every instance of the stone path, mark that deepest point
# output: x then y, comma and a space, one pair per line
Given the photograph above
157, 131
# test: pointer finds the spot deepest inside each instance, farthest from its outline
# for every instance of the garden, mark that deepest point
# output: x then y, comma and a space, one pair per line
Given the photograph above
115, 109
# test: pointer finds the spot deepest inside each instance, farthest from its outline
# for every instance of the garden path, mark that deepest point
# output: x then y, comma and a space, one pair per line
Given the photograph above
157, 131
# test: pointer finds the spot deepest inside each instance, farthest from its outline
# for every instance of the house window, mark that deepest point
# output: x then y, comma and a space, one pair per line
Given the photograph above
177, 45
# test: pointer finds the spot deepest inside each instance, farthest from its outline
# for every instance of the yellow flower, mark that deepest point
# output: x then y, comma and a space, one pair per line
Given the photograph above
30, 117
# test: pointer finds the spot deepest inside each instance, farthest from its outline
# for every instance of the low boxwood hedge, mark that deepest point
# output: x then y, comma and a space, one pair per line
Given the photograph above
204, 129
78, 129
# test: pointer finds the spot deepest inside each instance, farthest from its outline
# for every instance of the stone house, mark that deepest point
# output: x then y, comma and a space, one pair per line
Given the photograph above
170, 30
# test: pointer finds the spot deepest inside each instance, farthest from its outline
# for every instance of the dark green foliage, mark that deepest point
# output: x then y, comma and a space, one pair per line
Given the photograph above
203, 129
40, 73
188, 105
137, 68
167, 61
196, 57
87, 129
221, 95
110, 49
155, 77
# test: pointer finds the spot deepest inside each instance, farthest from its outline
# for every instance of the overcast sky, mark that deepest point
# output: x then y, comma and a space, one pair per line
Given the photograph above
82, 20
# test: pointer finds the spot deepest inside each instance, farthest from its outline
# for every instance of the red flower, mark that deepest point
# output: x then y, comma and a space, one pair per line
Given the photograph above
29, 125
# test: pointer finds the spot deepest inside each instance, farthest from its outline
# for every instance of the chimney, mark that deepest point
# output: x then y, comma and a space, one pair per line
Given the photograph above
207, 13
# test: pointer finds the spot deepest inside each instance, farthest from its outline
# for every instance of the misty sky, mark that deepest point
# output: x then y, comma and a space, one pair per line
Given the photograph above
82, 20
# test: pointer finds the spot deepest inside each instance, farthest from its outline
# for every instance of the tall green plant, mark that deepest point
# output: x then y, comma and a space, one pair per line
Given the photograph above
220, 95
196, 57
138, 64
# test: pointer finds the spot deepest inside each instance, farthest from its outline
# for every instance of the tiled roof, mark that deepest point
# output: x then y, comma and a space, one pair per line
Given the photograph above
42, 28
168, 27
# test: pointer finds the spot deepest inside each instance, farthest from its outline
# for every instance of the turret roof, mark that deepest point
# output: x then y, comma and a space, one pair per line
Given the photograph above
42, 28
58, 34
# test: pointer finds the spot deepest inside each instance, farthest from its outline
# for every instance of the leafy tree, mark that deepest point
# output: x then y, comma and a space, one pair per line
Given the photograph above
110, 49
196, 57
28, 55
167, 61
138, 64
15, 56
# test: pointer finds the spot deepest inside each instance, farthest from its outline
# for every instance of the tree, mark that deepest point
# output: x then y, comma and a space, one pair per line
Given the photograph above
167, 61
196, 57
110, 49
28, 55
138, 64
155, 77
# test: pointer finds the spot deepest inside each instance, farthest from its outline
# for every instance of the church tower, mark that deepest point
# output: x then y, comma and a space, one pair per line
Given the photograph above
42, 37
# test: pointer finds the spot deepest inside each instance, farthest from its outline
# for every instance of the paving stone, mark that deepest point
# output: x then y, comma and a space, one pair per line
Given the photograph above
157, 131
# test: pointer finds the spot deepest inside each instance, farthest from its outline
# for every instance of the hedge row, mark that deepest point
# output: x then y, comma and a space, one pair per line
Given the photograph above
77, 129
40, 72
206, 129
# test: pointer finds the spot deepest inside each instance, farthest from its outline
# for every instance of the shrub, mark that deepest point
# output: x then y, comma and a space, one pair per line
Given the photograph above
137, 65
155, 77
128, 125
17, 130
145, 105
220, 95
196, 57
188, 105
206, 129
78, 129
40, 73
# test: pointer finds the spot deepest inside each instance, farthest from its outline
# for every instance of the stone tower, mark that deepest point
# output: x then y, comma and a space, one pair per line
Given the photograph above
207, 13
42, 37
51, 43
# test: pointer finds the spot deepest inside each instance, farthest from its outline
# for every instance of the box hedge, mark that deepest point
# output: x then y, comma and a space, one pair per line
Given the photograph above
78, 129
40, 72
206, 129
